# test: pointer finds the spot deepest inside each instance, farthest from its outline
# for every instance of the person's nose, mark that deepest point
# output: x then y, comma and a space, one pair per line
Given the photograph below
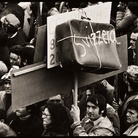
127, 114
43, 116
7, 85
90, 110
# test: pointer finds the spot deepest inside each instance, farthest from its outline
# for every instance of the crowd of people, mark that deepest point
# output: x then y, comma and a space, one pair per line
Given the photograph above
101, 109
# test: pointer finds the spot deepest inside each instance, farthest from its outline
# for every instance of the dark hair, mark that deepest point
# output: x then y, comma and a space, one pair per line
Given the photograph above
98, 100
133, 104
133, 7
15, 9
59, 118
133, 84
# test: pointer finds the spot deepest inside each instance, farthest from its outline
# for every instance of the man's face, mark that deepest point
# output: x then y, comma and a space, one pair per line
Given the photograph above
56, 99
7, 86
131, 116
15, 59
88, 93
21, 112
133, 39
92, 111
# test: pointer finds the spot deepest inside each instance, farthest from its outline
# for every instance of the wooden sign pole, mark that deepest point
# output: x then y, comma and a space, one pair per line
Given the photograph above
75, 92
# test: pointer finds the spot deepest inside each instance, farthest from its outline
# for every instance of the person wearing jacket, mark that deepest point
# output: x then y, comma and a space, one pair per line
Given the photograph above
26, 122
56, 121
131, 79
5, 129
126, 23
95, 123
132, 118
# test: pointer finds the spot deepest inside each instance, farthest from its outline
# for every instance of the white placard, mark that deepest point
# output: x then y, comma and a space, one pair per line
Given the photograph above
97, 13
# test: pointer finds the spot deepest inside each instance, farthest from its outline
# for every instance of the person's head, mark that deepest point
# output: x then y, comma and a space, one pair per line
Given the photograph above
21, 112
15, 59
46, 116
133, 39
88, 93
25, 52
24, 111
131, 77
55, 117
6, 78
132, 112
55, 99
10, 23
3, 68
95, 106
122, 5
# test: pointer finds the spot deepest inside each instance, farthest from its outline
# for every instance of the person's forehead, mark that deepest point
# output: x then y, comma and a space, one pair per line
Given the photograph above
133, 111
13, 55
91, 104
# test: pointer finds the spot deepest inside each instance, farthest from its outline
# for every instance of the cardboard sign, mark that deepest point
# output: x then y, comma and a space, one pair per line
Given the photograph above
34, 83
40, 48
97, 13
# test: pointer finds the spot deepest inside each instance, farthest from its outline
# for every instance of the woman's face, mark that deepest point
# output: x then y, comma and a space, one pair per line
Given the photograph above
46, 117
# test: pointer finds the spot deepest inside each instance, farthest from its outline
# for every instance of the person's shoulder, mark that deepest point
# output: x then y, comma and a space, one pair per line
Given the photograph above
105, 122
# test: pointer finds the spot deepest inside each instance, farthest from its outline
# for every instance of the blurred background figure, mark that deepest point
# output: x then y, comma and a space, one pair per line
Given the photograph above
5, 130
132, 118
26, 123
131, 79
56, 121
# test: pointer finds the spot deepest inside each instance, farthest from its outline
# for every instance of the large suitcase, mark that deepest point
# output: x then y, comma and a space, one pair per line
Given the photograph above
87, 46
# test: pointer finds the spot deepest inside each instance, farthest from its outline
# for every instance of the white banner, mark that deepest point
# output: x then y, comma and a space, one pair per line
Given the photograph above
97, 13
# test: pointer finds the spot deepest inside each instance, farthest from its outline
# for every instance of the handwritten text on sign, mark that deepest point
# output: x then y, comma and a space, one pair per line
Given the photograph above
95, 39
97, 13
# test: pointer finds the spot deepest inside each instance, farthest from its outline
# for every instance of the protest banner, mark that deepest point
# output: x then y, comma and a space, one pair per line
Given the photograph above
34, 83
97, 13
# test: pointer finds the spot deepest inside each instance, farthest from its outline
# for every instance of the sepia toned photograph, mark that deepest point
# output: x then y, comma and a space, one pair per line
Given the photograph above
68, 68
